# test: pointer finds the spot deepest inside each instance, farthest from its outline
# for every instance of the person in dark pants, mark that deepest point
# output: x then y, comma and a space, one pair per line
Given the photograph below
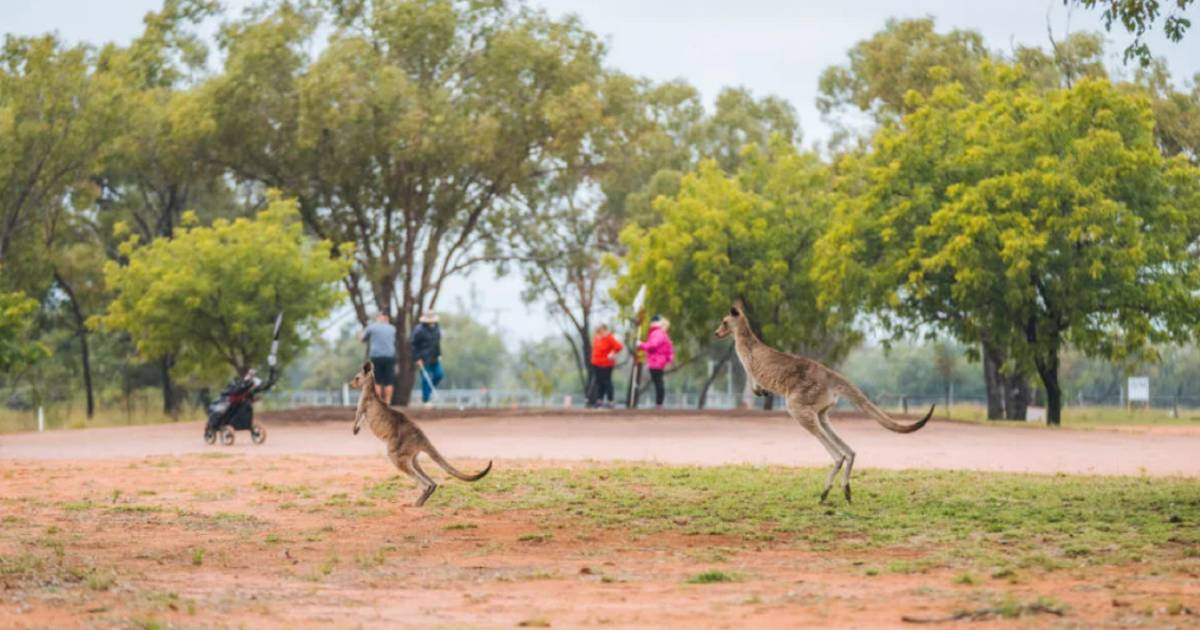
380, 337
605, 346
660, 353
427, 352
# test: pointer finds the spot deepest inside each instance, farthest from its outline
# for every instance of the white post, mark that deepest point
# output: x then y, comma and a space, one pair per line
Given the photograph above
345, 395
41, 419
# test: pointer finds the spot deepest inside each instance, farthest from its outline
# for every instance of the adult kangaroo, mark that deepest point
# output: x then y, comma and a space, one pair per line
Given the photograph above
810, 389
404, 439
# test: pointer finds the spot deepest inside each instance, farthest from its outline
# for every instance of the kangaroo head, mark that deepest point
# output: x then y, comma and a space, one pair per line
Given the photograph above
365, 376
731, 321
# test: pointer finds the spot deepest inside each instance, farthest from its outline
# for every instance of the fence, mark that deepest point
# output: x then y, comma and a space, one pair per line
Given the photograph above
486, 398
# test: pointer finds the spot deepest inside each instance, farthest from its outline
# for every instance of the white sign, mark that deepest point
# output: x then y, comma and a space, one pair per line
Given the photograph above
1139, 389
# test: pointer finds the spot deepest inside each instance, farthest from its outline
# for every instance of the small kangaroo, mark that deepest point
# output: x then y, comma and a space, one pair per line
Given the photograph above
810, 389
404, 439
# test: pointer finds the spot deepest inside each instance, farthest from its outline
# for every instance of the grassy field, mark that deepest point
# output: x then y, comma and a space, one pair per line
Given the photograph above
74, 416
986, 523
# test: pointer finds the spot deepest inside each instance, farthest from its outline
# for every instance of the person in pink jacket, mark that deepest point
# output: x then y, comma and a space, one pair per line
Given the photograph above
660, 353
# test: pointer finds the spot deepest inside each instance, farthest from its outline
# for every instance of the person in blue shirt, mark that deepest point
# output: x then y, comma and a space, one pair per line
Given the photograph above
380, 337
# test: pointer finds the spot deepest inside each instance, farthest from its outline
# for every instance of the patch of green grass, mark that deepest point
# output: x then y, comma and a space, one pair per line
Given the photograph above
536, 537
974, 520
368, 560
77, 506
134, 508
455, 526
197, 556
712, 577
534, 622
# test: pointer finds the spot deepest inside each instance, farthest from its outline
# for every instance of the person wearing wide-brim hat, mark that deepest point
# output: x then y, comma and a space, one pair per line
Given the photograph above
427, 353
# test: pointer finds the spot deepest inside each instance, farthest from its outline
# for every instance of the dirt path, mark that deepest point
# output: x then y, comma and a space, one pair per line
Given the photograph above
678, 438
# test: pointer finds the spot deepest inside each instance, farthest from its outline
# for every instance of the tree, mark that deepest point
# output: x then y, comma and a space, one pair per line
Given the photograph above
210, 295
406, 131
1038, 219
160, 165
749, 235
1138, 17
16, 322
473, 354
905, 55
56, 119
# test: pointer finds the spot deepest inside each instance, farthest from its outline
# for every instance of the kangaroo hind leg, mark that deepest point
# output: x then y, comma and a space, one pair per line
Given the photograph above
847, 452
430, 485
404, 463
810, 421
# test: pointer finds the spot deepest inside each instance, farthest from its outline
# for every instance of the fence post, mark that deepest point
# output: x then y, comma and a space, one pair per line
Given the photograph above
904, 403
41, 419
345, 395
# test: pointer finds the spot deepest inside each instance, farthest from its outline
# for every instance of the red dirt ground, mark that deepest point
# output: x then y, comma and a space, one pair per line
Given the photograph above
139, 526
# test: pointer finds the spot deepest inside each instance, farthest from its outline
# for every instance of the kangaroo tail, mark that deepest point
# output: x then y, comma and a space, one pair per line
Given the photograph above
448, 467
860, 400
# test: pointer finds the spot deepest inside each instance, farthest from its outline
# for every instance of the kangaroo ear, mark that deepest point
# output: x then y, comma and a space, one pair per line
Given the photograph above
735, 312
367, 367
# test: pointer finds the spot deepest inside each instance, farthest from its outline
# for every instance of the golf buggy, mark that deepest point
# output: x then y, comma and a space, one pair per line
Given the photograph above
234, 409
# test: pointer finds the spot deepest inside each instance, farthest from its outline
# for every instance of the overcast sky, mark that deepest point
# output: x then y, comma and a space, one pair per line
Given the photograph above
769, 46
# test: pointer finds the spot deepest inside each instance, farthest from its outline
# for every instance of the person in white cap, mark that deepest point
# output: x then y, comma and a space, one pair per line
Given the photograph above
427, 352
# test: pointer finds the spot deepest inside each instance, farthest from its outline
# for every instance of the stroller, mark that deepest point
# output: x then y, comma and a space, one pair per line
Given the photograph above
234, 409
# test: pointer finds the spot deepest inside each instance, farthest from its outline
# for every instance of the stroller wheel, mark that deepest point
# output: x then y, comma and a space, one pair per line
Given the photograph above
210, 436
227, 435
258, 434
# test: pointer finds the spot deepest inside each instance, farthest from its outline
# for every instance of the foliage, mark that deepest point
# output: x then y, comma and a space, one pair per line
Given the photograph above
211, 294
1138, 17
56, 117
748, 236
906, 55
1040, 219
473, 354
405, 131
16, 322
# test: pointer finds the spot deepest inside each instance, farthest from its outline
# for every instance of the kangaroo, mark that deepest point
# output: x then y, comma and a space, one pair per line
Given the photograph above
810, 389
404, 439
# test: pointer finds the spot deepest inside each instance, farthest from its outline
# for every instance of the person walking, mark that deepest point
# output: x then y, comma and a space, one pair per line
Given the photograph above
660, 353
427, 352
605, 346
380, 337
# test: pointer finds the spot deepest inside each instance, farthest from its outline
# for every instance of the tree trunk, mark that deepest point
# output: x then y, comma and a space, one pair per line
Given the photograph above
713, 377
87, 371
171, 402
81, 330
406, 371
1048, 371
993, 383
1017, 396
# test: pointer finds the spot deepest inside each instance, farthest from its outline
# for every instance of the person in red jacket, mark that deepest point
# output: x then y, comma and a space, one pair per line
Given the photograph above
605, 346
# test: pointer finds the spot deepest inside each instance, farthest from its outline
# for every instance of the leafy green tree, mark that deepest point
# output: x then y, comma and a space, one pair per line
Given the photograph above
57, 118
749, 235
905, 55
1039, 219
1138, 17
210, 295
405, 132
473, 354
16, 321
